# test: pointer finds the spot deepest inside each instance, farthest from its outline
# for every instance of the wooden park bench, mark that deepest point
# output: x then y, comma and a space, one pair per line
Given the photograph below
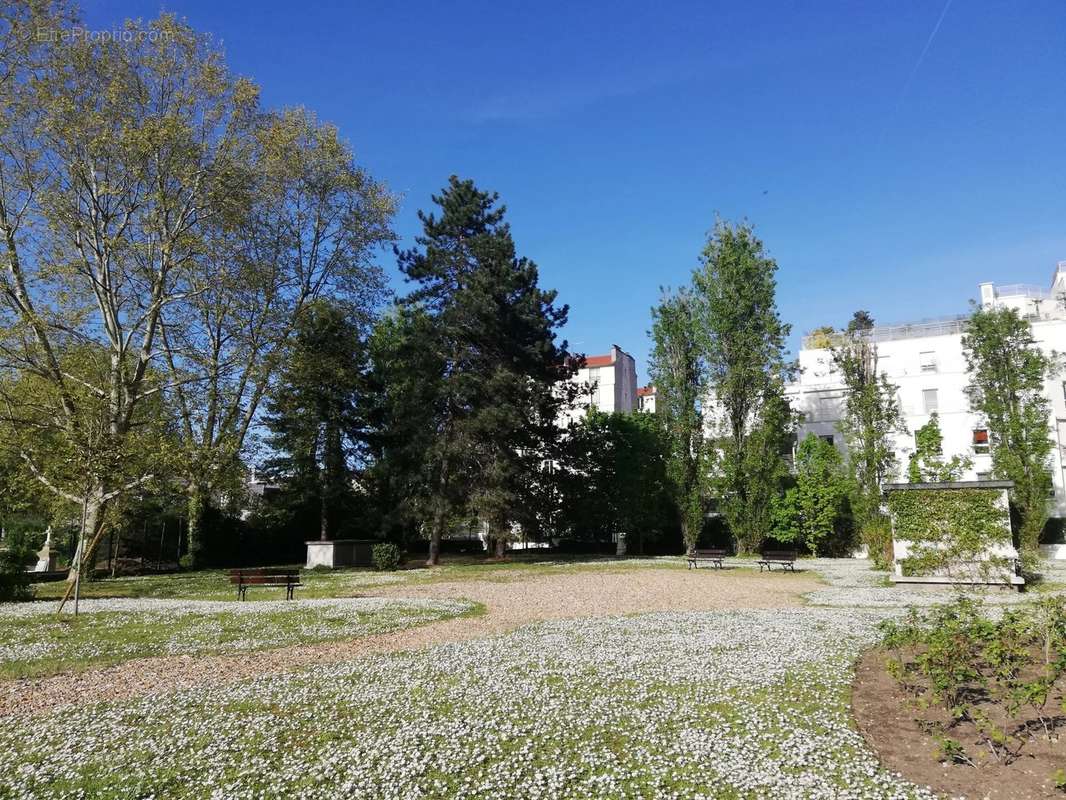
714, 556
786, 559
243, 578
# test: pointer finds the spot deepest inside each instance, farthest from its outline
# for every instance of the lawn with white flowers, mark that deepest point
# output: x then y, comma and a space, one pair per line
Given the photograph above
34, 641
736, 704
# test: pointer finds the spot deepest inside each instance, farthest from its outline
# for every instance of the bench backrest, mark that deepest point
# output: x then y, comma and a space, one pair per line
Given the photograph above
780, 555
711, 553
263, 576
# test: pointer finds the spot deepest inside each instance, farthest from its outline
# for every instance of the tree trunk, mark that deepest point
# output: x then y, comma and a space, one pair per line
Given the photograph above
323, 514
194, 526
501, 547
434, 539
85, 553
620, 550
437, 531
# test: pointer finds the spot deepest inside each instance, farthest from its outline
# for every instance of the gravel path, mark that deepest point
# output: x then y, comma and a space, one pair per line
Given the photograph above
508, 605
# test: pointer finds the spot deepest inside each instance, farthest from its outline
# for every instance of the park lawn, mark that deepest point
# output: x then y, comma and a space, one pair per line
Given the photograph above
214, 584
40, 643
740, 704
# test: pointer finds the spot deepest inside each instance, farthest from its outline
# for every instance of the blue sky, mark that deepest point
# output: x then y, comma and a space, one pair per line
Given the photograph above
878, 177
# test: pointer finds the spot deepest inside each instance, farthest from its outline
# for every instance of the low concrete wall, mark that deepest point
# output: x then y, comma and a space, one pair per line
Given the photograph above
1053, 552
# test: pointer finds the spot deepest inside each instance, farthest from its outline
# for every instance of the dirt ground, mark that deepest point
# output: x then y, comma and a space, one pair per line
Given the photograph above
509, 604
891, 731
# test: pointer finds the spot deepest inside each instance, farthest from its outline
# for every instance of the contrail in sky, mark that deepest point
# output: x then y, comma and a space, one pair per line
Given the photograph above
928, 44
914, 72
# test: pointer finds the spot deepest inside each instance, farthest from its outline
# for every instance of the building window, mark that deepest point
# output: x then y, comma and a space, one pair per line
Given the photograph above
828, 437
927, 361
930, 400
984, 476
1064, 390
980, 440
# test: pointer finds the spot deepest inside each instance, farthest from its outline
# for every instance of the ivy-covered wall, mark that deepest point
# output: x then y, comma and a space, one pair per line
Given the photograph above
947, 528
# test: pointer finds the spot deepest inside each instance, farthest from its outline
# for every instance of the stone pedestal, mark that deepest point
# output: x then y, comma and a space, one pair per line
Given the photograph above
46, 559
340, 553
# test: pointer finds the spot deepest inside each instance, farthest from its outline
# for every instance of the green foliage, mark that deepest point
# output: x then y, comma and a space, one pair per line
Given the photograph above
17, 552
678, 371
744, 341
951, 529
821, 338
1058, 778
317, 414
876, 534
489, 420
811, 511
406, 383
927, 463
1008, 371
614, 479
387, 557
162, 235
993, 673
871, 418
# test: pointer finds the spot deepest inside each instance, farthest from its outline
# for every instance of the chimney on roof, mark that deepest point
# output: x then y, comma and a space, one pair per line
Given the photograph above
988, 294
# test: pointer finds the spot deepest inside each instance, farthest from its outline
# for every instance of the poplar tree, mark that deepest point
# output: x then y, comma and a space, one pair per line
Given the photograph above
678, 370
871, 418
743, 338
1008, 372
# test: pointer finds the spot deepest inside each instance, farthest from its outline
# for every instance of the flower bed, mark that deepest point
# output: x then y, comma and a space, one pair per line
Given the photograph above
977, 699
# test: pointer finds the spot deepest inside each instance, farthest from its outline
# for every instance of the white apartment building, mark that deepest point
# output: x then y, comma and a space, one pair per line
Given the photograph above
646, 399
607, 383
925, 360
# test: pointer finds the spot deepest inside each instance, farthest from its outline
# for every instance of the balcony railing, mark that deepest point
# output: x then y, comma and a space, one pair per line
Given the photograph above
938, 326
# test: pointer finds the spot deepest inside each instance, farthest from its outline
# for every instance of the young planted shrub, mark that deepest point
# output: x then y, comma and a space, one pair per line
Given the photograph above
983, 687
386, 557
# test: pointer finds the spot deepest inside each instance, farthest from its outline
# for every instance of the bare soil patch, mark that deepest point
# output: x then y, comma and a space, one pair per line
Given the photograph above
510, 604
887, 721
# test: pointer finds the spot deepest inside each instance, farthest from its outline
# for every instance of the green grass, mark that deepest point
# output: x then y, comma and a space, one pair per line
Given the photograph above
214, 584
43, 644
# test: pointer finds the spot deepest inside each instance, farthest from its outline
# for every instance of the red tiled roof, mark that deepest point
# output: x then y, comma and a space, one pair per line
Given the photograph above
598, 361
644, 391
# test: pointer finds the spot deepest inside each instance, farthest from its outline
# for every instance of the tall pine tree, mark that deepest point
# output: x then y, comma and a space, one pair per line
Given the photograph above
492, 331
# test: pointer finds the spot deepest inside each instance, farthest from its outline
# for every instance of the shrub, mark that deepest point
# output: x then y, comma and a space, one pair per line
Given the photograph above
14, 585
992, 677
19, 551
386, 557
876, 534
